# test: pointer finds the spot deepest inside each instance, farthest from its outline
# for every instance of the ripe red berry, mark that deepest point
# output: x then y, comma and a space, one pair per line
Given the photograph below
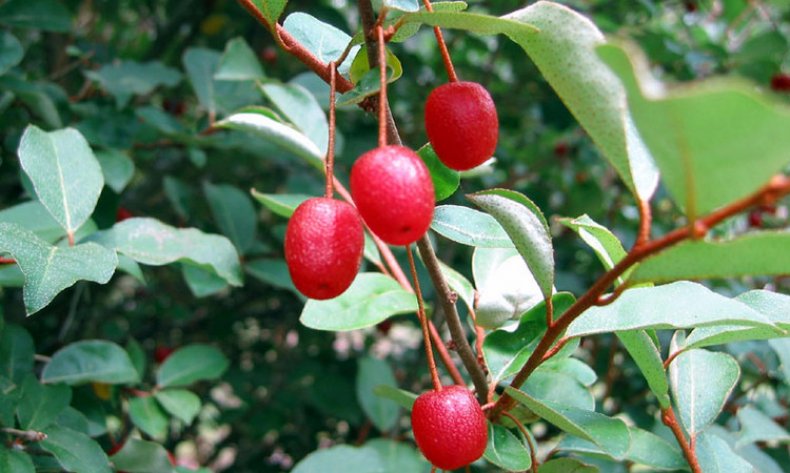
780, 82
462, 124
161, 353
393, 191
323, 247
122, 214
449, 427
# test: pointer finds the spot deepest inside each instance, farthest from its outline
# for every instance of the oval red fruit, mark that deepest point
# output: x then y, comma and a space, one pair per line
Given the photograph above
462, 124
780, 82
393, 191
324, 241
449, 427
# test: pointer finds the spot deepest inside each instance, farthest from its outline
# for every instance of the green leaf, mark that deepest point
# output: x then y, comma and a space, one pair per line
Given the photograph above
16, 353
11, 51
506, 351
373, 372
40, 405
566, 465
405, 399
649, 449
367, 81
701, 382
136, 356
65, 173
76, 452
149, 241
647, 357
505, 286
559, 388
180, 195
117, 169
148, 416
262, 125
15, 461
402, 5
301, 108
190, 364
445, 180
372, 297
48, 269
234, 213
271, 9
678, 305
34, 95
46, 15
341, 459
758, 427
272, 271
603, 242
283, 205
590, 91
140, 456
695, 133
716, 456
125, 79
201, 65
763, 253
398, 457
183, 404
90, 361
202, 282
34, 217
239, 62
506, 450
469, 227
325, 41
610, 434
775, 307
527, 228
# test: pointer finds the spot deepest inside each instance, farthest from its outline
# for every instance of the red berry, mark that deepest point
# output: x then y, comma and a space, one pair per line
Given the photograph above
323, 247
462, 124
780, 82
122, 214
393, 191
161, 353
449, 427
755, 219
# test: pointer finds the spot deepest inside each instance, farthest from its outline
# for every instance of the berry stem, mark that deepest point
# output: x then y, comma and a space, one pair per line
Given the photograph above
669, 419
532, 447
382, 55
7, 260
437, 384
448, 62
330, 151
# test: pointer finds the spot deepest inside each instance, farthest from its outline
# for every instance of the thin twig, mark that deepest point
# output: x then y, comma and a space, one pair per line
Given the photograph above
330, 151
669, 419
28, 435
448, 62
437, 384
533, 449
382, 86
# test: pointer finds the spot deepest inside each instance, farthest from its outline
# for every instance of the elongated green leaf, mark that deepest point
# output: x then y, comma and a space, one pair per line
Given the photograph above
190, 364
283, 205
373, 372
758, 427
610, 434
15, 461
559, 388
340, 459
566, 465
148, 416
678, 305
402, 5
371, 298
150, 241
398, 457
65, 173
527, 228
469, 227
140, 456
701, 381
201, 64
695, 133
90, 361
272, 271
506, 450
445, 180
325, 41
754, 254
239, 62
269, 129
405, 399
48, 269
16, 353
301, 108
47, 15
648, 358
716, 456
202, 282
76, 452
40, 405
34, 217
234, 214
606, 246
271, 9
367, 81
125, 79
117, 169
775, 307
180, 403
476, 23
11, 51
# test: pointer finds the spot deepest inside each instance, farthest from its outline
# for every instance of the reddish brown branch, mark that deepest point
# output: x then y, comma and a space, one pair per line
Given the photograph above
448, 62
7, 260
669, 419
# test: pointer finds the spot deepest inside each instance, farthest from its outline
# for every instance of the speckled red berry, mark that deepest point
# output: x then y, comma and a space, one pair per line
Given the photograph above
780, 82
449, 427
323, 247
462, 124
393, 191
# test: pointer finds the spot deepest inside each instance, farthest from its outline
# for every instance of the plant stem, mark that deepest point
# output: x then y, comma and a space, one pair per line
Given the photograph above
777, 187
447, 299
7, 260
330, 151
669, 419
437, 384
533, 449
28, 435
448, 62
382, 50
